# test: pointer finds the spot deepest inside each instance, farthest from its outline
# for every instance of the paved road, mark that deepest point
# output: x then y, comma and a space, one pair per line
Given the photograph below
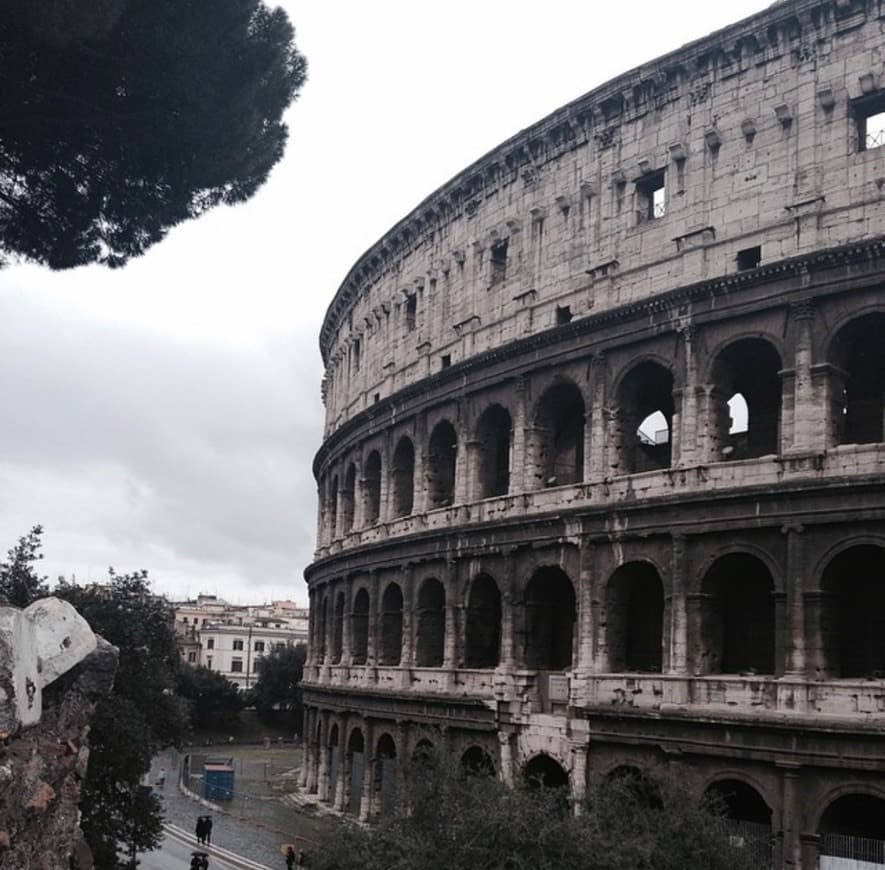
175, 855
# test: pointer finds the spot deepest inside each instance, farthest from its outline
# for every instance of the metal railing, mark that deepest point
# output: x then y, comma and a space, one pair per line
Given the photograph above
854, 848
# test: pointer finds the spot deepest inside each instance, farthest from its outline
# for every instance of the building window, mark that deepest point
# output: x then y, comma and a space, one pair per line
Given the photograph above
259, 646
238, 644
446, 360
869, 114
499, 261
411, 313
355, 355
184, 620
651, 197
749, 258
563, 314
191, 658
210, 644
209, 663
236, 666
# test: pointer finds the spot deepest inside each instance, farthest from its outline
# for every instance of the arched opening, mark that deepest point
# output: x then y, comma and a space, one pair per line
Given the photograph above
403, 477
372, 484
424, 752
354, 771
391, 625
493, 432
746, 400
332, 502
559, 436
477, 762
385, 775
338, 628
645, 418
360, 628
347, 498
441, 458
334, 761
431, 630
858, 382
852, 828
737, 617
747, 818
483, 630
634, 609
543, 772
853, 616
549, 620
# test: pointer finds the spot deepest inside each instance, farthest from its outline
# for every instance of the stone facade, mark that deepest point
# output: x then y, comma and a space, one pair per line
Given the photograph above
603, 475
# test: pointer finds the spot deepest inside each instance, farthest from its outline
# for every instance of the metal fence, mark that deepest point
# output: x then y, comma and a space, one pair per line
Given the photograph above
754, 839
864, 849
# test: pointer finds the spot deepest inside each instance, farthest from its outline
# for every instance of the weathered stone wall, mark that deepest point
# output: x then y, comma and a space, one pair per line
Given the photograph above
753, 133
53, 670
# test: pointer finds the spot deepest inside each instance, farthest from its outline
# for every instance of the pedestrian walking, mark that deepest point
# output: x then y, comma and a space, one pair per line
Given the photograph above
201, 830
207, 830
290, 858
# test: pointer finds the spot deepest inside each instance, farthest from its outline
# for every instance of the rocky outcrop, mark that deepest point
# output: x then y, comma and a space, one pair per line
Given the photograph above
53, 670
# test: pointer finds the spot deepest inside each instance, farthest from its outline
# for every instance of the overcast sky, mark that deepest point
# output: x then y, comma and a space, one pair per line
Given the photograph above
165, 416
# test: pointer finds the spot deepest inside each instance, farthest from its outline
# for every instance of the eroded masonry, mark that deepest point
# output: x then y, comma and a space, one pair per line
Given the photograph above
603, 479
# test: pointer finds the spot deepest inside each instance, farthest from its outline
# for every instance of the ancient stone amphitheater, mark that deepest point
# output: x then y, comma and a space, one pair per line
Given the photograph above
602, 487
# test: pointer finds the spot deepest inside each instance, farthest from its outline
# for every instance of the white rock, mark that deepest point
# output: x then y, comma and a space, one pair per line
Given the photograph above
21, 698
63, 637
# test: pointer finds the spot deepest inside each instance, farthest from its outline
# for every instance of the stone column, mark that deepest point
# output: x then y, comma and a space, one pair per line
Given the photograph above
518, 458
805, 423
677, 652
453, 601
794, 629
791, 844
305, 750
579, 776
347, 628
407, 655
685, 444
462, 469
323, 758
373, 627
472, 462
342, 786
505, 742
508, 615
366, 802
585, 663
597, 455
313, 753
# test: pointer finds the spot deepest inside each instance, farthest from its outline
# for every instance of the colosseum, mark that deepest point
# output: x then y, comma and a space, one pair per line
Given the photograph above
602, 484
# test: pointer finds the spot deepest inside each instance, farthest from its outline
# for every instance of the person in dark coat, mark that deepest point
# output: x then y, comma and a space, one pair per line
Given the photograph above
290, 858
207, 830
201, 830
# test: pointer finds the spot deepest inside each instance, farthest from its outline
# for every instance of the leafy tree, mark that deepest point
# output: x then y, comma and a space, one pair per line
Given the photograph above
121, 118
278, 686
212, 698
141, 716
19, 582
450, 820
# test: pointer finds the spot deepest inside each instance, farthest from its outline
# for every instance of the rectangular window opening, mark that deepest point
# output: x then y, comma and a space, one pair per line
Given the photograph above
238, 644
259, 646
446, 360
499, 261
651, 196
411, 313
356, 355
377, 398
563, 314
210, 644
869, 114
236, 666
749, 258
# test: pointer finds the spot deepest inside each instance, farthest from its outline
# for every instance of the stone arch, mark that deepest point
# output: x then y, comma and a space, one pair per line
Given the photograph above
542, 770
348, 498
634, 607
424, 750
338, 628
557, 443
354, 768
851, 622
385, 774
494, 432
333, 734
482, 637
748, 368
403, 472
737, 616
334, 760
476, 761
857, 354
391, 640
645, 402
359, 626
442, 454
372, 488
550, 612
637, 782
747, 816
837, 793
430, 632
323, 627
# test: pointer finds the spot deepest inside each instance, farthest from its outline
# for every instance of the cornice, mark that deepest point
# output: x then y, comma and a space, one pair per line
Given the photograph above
687, 72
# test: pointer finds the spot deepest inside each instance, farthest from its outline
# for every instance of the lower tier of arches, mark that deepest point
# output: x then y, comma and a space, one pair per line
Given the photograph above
805, 797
